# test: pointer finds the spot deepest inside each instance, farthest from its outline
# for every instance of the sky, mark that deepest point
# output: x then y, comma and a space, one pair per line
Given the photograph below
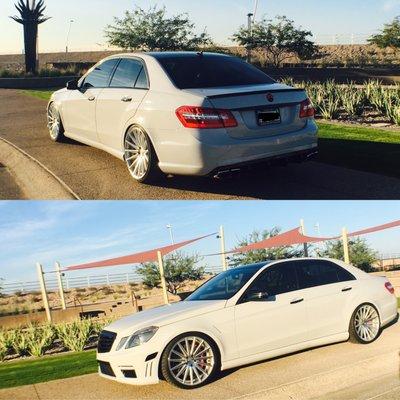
78, 232
220, 17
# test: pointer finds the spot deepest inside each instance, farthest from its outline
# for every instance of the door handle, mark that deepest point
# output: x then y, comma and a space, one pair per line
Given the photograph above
126, 99
91, 98
296, 301
347, 289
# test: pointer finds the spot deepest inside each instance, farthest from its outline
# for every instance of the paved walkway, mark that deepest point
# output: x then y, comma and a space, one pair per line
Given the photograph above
93, 174
344, 371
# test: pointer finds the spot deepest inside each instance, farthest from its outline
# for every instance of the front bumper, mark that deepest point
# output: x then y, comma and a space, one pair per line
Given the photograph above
138, 366
205, 152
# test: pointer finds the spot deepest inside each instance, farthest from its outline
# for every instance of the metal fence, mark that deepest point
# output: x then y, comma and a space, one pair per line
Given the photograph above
77, 282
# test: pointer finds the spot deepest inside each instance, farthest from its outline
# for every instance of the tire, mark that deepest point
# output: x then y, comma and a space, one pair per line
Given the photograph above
54, 124
186, 371
365, 324
140, 156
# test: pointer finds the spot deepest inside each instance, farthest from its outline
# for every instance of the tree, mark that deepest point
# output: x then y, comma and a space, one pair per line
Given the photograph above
178, 270
153, 30
280, 39
389, 36
30, 16
361, 254
257, 256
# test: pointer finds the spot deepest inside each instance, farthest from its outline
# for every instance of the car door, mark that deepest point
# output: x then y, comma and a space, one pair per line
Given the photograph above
272, 312
328, 289
79, 109
120, 101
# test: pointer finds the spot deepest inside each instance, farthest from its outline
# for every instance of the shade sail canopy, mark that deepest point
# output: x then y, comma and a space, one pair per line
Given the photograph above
137, 258
378, 228
289, 238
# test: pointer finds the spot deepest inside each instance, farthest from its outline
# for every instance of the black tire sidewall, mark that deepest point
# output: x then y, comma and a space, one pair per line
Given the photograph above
354, 337
165, 367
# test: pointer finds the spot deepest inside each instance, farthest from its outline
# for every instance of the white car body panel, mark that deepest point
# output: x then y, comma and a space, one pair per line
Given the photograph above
103, 122
253, 331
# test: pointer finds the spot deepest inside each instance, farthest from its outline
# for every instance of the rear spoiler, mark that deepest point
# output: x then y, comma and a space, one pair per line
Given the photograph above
220, 96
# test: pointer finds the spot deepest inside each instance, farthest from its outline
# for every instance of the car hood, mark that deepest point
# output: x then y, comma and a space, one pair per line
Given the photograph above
237, 89
164, 315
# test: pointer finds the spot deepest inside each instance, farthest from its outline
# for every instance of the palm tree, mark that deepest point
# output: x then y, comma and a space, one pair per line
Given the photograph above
30, 16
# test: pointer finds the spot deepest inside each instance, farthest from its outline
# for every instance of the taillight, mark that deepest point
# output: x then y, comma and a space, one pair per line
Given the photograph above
306, 109
205, 118
389, 287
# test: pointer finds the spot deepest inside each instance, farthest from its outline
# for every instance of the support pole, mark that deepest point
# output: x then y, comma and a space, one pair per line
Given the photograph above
303, 231
163, 282
345, 239
60, 285
44, 291
223, 253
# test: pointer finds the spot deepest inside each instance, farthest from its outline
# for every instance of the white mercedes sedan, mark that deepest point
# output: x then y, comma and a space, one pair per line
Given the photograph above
246, 315
184, 113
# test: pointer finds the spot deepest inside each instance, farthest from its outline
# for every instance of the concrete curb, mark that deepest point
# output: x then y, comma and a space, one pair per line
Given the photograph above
35, 180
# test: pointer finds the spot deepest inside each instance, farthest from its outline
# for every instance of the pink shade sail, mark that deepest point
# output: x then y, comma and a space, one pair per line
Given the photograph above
379, 228
138, 258
289, 238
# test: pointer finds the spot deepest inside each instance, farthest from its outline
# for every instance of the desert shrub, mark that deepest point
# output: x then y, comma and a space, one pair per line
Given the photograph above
75, 335
6, 343
39, 339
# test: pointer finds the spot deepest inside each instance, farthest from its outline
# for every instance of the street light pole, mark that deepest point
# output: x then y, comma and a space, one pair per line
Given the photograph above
250, 28
69, 32
171, 234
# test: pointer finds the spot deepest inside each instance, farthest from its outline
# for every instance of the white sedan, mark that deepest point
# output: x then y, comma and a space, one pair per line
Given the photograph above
184, 113
246, 315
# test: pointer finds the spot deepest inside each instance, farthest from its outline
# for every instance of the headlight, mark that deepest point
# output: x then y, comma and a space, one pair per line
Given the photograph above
138, 338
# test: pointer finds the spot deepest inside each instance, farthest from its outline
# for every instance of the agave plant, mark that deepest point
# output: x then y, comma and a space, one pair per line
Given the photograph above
31, 15
75, 336
40, 339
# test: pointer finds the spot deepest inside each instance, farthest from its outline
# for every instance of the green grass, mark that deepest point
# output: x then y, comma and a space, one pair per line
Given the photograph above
43, 94
27, 372
365, 149
398, 302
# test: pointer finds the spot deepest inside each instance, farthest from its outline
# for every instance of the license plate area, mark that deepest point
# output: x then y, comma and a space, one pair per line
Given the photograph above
268, 117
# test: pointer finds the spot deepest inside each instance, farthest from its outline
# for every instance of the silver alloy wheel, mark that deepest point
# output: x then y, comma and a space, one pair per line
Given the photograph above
53, 121
137, 153
191, 361
367, 323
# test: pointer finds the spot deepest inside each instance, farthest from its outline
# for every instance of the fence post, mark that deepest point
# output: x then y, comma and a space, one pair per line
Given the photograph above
42, 282
88, 281
60, 285
223, 254
345, 239
303, 232
163, 283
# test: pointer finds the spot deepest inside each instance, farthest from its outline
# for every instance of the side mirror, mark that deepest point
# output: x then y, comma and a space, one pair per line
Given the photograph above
72, 85
259, 297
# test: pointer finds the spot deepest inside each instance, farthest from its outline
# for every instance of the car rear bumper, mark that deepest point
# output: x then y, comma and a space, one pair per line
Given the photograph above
204, 153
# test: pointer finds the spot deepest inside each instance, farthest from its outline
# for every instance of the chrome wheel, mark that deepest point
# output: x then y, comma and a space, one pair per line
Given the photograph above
367, 323
191, 361
137, 153
53, 122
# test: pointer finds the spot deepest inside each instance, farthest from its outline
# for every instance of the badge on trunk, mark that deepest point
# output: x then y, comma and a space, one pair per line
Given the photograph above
270, 97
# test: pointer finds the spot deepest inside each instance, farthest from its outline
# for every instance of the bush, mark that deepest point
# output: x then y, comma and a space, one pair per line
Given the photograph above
75, 336
39, 339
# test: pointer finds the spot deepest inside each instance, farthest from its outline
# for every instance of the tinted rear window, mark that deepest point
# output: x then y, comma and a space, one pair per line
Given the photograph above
196, 72
126, 73
318, 273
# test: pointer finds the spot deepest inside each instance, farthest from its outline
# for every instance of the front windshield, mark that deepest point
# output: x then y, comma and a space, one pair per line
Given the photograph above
225, 285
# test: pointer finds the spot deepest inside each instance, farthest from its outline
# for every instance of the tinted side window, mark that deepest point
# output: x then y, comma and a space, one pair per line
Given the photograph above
100, 76
318, 273
126, 73
142, 81
276, 280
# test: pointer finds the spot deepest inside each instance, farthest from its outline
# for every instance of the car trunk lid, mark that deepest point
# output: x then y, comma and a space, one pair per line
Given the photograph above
260, 110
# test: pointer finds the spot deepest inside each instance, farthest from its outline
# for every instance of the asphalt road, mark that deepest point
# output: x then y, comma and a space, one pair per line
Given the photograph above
344, 371
93, 174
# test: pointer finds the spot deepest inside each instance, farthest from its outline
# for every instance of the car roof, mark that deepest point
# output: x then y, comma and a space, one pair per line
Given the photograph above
158, 55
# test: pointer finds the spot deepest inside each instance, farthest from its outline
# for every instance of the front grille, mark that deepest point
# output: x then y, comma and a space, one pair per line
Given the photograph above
105, 368
106, 341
